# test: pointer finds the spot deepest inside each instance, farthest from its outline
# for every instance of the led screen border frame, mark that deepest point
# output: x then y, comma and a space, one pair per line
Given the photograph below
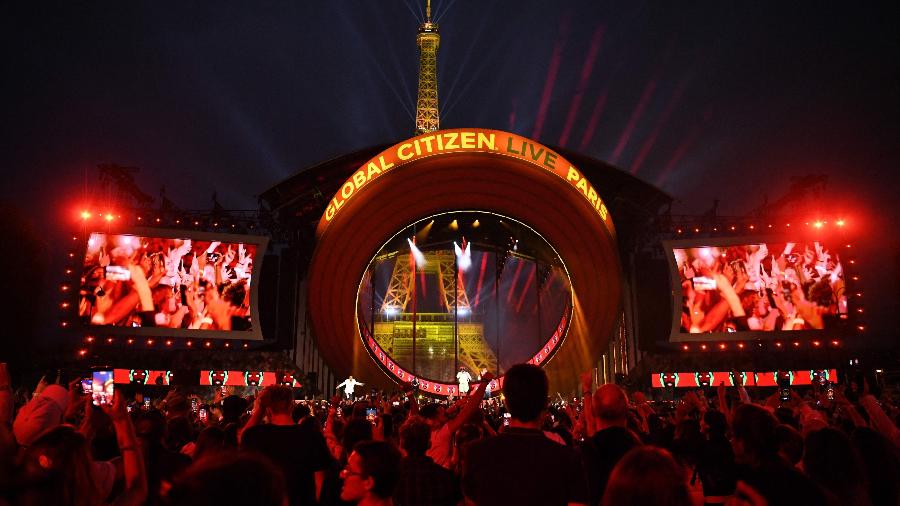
542, 356
675, 334
255, 334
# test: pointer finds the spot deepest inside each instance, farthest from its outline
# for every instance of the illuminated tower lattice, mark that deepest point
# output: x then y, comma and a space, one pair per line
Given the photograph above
428, 40
434, 331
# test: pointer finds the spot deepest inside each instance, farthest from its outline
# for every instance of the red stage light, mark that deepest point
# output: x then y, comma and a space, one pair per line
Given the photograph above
855, 278
835, 342
732, 227
190, 343
71, 255
770, 225
245, 344
228, 345
722, 346
64, 288
840, 223
140, 218
85, 215
816, 343
178, 221
818, 224
859, 310
741, 345
715, 229
787, 225
149, 342
683, 347
89, 339
68, 271
82, 352
64, 324
702, 346
207, 344
168, 342
752, 227
130, 341
696, 230
108, 217
861, 327
796, 344
157, 220
678, 231
64, 305
109, 340
778, 345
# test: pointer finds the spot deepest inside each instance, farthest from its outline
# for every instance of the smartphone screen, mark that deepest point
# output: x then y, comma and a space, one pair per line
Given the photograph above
203, 415
102, 387
147, 404
829, 391
194, 404
116, 273
785, 394
371, 413
506, 417
86, 385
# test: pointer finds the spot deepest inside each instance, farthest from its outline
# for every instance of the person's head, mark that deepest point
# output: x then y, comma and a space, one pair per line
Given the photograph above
234, 294
300, 412
832, 462
754, 442
151, 427
233, 407
57, 469
279, 399
355, 431
647, 475
210, 442
525, 392
415, 437
372, 470
235, 478
610, 406
714, 423
434, 415
790, 443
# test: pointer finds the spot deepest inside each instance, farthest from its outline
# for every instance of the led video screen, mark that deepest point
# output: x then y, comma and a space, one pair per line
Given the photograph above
756, 286
154, 283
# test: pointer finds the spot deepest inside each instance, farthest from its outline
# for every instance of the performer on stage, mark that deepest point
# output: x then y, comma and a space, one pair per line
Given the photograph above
463, 378
349, 384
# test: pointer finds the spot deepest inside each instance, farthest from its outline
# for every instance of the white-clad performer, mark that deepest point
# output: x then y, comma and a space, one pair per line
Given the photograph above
349, 384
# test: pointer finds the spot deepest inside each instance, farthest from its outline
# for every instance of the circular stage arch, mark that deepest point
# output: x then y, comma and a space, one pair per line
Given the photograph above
460, 170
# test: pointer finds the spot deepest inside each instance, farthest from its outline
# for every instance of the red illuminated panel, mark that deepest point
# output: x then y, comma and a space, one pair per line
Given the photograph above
141, 376
750, 378
243, 378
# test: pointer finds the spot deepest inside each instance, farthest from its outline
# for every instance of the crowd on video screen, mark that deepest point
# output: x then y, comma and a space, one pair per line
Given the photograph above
133, 281
760, 287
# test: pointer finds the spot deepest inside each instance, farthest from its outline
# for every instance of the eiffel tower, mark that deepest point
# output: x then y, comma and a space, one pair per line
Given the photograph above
434, 331
428, 40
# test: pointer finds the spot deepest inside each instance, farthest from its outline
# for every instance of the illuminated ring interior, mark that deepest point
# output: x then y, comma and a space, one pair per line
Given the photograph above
428, 385
461, 181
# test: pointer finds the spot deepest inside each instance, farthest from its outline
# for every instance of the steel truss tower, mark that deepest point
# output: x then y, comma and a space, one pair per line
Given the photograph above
428, 40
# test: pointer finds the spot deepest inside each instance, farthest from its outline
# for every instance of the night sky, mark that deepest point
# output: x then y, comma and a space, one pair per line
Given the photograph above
704, 99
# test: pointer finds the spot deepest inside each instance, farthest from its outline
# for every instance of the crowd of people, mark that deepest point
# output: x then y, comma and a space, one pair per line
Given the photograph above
605, 447
135, 281
760, 287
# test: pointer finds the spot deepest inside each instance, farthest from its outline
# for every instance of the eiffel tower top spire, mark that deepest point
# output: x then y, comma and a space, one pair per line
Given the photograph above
428, 40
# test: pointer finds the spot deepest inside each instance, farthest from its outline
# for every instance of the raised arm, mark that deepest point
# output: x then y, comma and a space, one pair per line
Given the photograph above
135, 492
